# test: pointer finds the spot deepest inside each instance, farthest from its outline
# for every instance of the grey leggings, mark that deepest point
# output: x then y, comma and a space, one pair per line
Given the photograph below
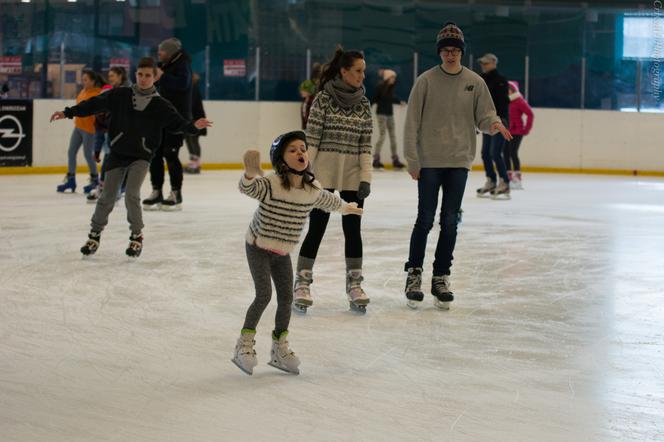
136, 173
263, 264
385, 122
78, 137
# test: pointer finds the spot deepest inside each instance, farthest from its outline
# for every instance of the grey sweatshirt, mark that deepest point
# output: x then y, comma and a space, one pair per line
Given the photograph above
443, 112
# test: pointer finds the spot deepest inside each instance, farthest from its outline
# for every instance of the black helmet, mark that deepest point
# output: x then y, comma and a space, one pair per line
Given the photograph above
280, 143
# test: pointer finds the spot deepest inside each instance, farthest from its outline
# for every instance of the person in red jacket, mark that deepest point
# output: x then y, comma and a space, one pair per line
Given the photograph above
518, 108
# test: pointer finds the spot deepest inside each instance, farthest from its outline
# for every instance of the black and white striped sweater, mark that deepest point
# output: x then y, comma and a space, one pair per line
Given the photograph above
281, 215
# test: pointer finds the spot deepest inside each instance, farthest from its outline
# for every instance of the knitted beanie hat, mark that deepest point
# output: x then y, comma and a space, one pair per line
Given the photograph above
171, 46
450, 35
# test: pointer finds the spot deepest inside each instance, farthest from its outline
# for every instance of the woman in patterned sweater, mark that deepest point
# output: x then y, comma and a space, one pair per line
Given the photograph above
286, 198
339, 133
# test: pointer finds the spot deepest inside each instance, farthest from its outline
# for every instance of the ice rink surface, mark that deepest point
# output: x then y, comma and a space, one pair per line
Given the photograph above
556, 334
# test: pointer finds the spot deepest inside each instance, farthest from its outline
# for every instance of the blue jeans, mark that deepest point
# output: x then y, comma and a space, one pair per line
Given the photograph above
453, 183
492, 152
78, 137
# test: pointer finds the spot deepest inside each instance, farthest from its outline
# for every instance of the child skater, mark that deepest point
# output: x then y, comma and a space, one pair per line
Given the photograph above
285, 199
139, 115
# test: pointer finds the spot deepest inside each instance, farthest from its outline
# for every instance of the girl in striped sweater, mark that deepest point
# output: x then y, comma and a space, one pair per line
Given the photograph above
285, 199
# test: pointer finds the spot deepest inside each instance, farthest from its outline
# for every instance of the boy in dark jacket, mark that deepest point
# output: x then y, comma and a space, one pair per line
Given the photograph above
140, 116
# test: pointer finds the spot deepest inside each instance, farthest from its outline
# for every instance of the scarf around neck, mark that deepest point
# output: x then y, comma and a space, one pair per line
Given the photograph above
141, 97
343, 93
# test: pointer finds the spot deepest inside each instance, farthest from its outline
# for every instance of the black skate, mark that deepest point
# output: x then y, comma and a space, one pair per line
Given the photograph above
357, 298
92, 244
440, 289
153, 202
413, 288
173, 202
135, 245
485, 191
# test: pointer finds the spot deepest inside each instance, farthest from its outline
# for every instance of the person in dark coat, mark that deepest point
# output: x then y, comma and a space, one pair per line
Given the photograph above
175, 85
193, 145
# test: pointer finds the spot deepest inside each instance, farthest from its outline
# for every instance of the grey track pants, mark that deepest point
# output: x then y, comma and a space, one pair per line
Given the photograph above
386, 122
264, 264
136, 173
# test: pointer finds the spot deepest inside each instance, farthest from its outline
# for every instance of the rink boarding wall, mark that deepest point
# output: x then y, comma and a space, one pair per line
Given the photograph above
562, 140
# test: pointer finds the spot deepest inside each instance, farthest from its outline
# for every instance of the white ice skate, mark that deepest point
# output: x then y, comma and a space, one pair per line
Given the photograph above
442, 294
413, 288
357, 298
282, 357
245, 355
502, 191
515, 183
302, 299
485, 191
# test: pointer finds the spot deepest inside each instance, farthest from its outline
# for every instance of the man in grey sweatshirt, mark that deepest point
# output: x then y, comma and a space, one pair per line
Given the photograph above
446, 105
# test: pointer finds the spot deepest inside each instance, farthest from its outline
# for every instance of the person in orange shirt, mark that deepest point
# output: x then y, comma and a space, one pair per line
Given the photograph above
83, 133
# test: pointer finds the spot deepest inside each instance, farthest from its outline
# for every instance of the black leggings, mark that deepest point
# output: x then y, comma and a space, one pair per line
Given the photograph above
511, 153
352, 226
174, 167
193, 146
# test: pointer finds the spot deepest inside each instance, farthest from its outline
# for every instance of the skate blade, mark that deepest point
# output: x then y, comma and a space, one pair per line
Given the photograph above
359, 308
175, 208
151, 207
442, 305
480, 195
413, 304
501, 196
300, 308
272, 364
250, 373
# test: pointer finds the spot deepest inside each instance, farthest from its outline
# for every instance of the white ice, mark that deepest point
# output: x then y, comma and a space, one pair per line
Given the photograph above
557, 331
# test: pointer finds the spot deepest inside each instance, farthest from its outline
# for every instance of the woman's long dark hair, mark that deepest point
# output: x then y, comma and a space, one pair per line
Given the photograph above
341, 59
120, 72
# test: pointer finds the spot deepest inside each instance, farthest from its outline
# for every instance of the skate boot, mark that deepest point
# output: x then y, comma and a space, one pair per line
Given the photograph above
396, 163
516, 183
94, 195
376, 162
173, 202
440, 289
153, 202
135, 245
502, 191
92, 244
488, 187
357, 298
194, 167
245, 355
281, 356
94, 182
413, 288
68, 183
301, 292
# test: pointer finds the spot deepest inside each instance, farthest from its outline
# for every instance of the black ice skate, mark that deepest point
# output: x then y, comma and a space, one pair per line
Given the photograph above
357, 298
135, 245
440, 289
413, 288
92, 244
153, 202
302, 299
173, 202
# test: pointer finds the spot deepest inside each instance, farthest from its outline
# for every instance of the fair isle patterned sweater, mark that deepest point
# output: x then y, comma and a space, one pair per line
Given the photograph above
281, 214
339, 141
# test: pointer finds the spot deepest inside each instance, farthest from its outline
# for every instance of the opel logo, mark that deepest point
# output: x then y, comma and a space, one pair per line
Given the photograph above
11, 134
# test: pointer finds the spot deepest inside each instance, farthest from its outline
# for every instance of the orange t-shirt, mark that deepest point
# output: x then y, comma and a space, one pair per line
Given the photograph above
86, 123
